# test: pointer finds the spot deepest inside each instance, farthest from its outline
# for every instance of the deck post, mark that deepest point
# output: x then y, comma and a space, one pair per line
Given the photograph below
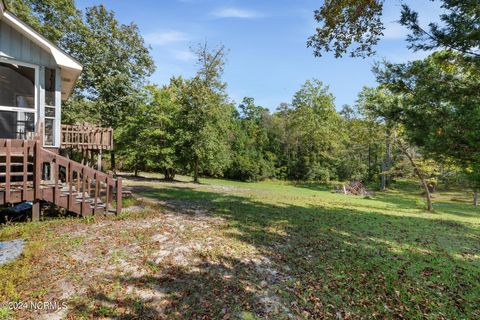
99, 160
36, 211
119, 196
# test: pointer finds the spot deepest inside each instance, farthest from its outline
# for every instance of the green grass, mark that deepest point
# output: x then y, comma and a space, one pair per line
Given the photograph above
334, 255
383, 257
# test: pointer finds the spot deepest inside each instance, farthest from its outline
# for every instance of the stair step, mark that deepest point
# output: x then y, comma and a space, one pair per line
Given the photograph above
3, 164
66, 194
13, 155
15, 174
18, 183
86, 201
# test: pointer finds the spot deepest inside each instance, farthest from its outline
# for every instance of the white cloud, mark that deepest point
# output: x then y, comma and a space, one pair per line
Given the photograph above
235, 13
183, 55
165, 38
406, 55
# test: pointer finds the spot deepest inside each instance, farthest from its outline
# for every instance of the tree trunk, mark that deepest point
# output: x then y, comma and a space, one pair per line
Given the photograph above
112, 162
136, 172
99, 161
169, 173
475, 198
427, 191
195, 170
386, 162
369, 162
383, 178
421, 177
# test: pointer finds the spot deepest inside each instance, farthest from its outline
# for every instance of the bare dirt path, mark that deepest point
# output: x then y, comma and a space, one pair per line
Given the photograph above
160, 261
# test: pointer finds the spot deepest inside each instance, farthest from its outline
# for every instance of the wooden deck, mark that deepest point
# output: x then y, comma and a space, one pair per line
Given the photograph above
29, 172
85, 137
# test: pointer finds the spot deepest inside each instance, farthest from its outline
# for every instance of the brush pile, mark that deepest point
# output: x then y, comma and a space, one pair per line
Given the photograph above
355, 188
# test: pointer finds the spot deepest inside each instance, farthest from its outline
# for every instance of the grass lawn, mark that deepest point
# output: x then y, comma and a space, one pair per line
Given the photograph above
228, 250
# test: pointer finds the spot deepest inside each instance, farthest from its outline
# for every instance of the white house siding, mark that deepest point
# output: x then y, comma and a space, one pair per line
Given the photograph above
16, 46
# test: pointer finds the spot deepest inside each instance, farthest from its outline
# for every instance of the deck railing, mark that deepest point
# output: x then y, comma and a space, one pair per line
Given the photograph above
79, 188
17, 170
86, 137
28, 172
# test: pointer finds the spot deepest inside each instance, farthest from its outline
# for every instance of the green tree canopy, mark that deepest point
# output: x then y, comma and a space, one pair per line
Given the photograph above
441, 104
205, 116
56, 20
355, 26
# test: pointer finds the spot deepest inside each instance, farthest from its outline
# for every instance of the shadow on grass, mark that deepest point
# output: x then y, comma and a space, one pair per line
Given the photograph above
393, 199
328, 262
417, 200
203, 291
48, 212
314, 186
150, 179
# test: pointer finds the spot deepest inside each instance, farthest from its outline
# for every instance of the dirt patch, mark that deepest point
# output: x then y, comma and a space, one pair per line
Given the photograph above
115, 265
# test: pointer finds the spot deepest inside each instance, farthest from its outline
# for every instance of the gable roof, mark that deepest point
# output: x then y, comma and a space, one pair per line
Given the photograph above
70, 68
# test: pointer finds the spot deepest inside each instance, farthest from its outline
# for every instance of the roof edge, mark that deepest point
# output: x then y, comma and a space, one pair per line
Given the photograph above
38, 38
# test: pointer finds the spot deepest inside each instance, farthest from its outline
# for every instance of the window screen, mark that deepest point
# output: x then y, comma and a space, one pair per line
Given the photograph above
49, 132
49, 87
8, 124
17, 85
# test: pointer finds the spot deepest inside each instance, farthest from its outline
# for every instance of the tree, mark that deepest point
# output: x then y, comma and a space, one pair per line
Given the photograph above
251, 160
362, 147
115, 59
440, 112
148, 139
441, 103
357, 23
56, 20
205, 116
314, 129
385, 106
116, 64
472, 173
410, 155
381, 105
347, 22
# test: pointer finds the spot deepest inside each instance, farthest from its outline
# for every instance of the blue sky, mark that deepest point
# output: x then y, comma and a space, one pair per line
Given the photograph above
268, 59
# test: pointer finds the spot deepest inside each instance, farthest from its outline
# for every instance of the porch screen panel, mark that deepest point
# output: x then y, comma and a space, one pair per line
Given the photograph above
17, 86
50, 108
49, 132
8, 124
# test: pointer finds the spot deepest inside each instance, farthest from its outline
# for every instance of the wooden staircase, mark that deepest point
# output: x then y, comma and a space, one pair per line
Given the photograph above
29, 172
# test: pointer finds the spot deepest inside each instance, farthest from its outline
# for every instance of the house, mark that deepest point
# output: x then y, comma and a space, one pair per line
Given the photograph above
35, 78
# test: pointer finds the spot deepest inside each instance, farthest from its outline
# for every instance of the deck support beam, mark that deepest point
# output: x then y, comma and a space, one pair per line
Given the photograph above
99, 160
36, 211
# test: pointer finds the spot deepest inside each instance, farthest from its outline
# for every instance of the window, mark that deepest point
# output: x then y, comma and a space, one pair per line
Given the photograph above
25, 125
17, 101
49, 87
50, 111
17, 85
8, 124
49, 132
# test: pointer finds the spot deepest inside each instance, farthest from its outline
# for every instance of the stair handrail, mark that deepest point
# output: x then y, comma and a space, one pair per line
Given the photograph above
86, 173
46, 185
